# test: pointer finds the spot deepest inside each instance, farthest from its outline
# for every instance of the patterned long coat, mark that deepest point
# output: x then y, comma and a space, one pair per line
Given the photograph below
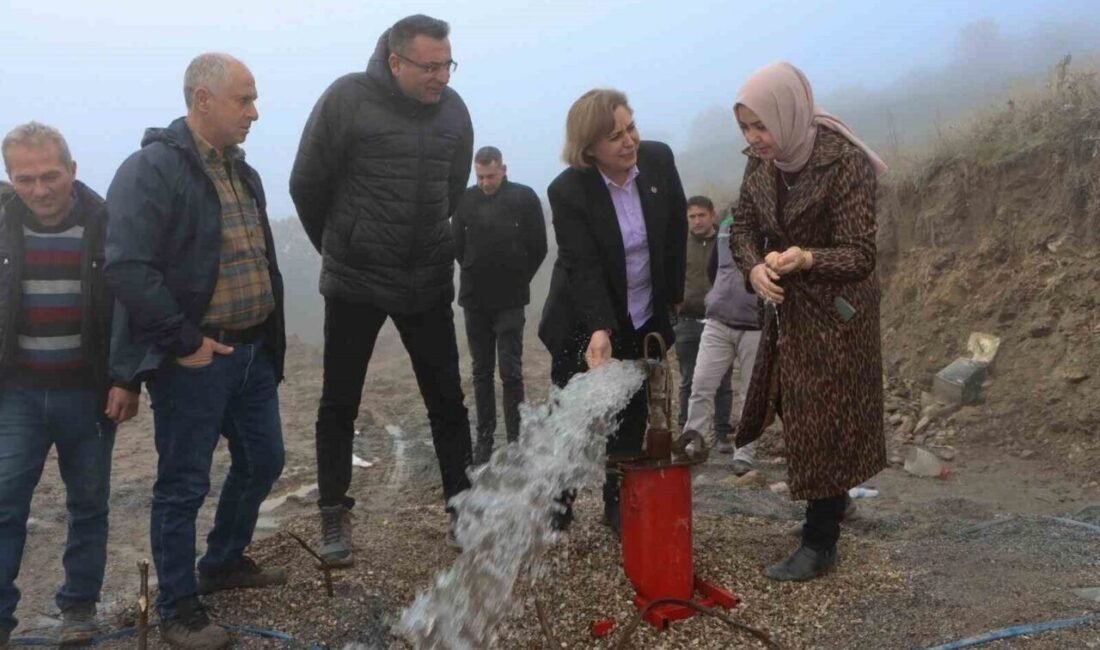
821, 362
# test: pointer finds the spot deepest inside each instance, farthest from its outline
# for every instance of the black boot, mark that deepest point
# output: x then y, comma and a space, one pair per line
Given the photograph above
561, 516
611, 515
804, 564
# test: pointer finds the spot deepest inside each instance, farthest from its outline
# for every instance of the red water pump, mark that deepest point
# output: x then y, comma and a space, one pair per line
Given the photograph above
655, 509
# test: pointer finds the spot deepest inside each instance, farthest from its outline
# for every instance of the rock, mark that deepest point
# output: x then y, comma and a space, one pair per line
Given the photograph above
922, 462
945, 452
968, 415
1027, 453
754, 478
1073, 374
927, 399
896, 419
922, 424
1089, 593
895, 460
906, 427
780, 488
1040, 329
960, 382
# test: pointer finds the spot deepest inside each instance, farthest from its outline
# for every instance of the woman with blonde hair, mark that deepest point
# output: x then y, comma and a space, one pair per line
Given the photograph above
619, 220
805, 240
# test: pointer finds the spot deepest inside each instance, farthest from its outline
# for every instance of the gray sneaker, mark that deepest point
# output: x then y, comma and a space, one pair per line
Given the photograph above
336, 536
740, 466
78, 625
245, 574
191, 628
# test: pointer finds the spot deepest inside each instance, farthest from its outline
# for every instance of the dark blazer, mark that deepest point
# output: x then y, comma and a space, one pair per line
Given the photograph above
588, 285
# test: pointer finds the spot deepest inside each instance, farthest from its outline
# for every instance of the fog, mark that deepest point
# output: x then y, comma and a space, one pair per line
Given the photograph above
899, 73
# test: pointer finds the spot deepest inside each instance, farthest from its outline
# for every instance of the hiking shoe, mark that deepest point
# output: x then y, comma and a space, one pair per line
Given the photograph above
245, 574
191, 628
336, 536
561, 514
804, 564
78, 625
724, 446
740, 467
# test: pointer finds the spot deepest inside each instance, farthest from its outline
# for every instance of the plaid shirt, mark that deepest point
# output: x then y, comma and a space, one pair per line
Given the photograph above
242, 296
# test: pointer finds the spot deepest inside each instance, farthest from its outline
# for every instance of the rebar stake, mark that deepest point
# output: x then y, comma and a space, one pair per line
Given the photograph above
325, 567
143, 606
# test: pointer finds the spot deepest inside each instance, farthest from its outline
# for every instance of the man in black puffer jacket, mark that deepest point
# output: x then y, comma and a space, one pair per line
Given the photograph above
383, 160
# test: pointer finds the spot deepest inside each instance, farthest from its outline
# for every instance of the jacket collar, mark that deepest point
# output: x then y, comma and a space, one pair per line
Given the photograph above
828, 147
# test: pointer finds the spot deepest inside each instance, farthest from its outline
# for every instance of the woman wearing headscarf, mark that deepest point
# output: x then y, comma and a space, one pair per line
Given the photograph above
619, 220
805, 240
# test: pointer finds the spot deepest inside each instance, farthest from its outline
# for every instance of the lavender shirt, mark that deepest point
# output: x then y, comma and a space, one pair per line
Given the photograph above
628, 209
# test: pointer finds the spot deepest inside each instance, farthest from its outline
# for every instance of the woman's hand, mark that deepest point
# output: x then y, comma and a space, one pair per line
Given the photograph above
599, 349
763, 281
792, 260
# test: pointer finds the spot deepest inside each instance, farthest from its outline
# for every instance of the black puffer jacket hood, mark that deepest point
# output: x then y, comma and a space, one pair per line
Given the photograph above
375, 181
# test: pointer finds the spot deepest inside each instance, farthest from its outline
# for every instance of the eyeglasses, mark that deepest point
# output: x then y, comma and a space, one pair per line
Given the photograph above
431, 68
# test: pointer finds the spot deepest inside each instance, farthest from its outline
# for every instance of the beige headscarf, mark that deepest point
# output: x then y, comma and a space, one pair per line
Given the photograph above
782, 97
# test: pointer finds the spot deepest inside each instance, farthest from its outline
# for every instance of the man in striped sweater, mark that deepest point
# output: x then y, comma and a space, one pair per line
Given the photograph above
55, 389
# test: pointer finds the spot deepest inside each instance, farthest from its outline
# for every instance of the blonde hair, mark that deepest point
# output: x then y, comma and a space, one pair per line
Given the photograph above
590, 118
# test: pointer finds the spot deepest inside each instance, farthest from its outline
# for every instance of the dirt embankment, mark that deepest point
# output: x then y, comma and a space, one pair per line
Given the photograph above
998, 231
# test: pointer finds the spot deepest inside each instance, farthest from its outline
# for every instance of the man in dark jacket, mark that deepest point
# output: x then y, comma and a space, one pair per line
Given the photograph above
190, 257
383, 160
731, 333
55, 323
500, 242
702, 234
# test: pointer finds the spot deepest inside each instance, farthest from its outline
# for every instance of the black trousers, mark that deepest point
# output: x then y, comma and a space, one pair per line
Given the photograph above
629, 437
351, 330
493, 336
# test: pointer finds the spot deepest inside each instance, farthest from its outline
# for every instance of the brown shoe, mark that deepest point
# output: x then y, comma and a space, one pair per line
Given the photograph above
78, 625
191, 628
246, 574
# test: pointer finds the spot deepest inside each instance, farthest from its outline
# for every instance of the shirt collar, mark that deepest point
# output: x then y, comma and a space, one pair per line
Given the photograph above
212, 156
630, 176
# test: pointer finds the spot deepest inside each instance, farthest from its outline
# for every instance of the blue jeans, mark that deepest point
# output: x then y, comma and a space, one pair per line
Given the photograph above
235, 396
31, 421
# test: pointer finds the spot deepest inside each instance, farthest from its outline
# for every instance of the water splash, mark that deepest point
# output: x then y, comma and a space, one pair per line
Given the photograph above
504, 518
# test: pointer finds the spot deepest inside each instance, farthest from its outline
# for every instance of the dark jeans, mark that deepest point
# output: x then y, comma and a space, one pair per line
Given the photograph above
491, 334
689, 332
32, 421
234, 396
429, 337
823, 516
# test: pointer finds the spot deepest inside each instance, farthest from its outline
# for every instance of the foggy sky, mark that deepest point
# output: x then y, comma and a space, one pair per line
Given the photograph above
104, 71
